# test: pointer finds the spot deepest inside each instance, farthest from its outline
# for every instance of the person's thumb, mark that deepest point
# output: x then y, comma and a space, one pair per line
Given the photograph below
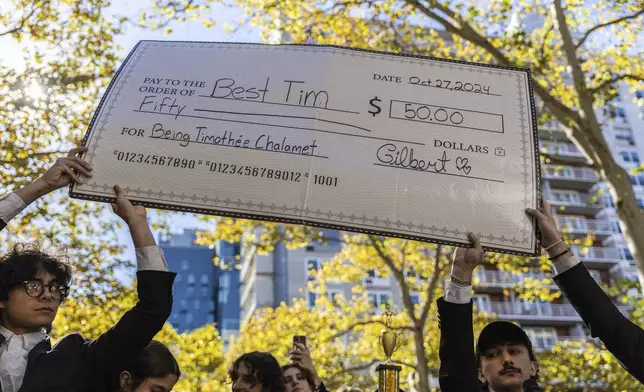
534, 213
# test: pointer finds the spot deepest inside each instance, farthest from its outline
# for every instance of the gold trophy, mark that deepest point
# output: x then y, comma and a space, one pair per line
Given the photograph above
388, 374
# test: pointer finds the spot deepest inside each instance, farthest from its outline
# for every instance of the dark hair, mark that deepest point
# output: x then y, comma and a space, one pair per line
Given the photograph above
310, 379
23, 262
264, 367
154, 361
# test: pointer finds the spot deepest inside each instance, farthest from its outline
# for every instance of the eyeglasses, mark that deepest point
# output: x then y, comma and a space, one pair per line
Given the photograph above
35, 288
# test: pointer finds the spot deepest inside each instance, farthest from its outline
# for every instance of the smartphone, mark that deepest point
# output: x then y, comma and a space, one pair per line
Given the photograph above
299, 339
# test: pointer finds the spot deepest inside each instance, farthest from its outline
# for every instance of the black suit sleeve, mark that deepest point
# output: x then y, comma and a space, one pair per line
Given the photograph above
2, 224
621, 337
135, 329
458, 371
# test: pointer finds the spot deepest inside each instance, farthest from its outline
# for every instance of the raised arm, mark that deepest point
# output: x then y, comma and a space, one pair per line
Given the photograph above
458, 370
58, 176
621, 337
140, 324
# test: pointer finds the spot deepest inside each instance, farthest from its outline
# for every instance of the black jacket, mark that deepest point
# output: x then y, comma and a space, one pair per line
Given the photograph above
458, 370
621, 337
75, 364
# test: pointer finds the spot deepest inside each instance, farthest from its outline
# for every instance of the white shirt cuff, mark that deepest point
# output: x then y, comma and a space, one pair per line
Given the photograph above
150, 258
457, 294
10, 206
561, 266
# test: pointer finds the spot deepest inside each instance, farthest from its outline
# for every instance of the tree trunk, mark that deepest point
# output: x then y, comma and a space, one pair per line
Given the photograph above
616, 178
631, 220
421, 359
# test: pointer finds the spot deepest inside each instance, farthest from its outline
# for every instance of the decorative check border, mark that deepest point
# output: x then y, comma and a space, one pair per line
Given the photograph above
330, 219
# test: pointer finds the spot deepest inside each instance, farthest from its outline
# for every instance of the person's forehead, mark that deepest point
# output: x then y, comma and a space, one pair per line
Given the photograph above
243, 368
292, 371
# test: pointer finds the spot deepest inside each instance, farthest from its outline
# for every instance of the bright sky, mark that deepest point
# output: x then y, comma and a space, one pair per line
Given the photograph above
193, 30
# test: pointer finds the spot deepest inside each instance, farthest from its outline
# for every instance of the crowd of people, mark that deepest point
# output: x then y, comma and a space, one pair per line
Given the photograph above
34, 284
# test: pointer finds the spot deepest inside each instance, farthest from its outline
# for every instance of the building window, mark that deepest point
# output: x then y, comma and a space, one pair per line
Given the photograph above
191, 279
596, 275
335, 295
620, 114
184, 264
379, 300
312, 298
415, 298
184, 304
630, 157
197, 304
190, 318
205, 279
627, 254
639, 94
626, 137
312, 265
542, 338
482, 303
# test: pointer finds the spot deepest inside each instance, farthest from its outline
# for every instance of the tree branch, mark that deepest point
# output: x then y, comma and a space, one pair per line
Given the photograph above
432, 286
615, 79
602, 25
400, 278
466, 32
21, 24
364, 323
354, 368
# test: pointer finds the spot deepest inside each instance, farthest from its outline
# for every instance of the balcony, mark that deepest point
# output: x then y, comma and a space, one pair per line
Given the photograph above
600, 257
566, 152
567, 177
574, 202
506, 279
539, 312
576, 227
547, 343
553, 130
624, 271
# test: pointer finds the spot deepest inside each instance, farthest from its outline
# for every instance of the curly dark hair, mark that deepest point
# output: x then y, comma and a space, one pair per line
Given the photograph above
154, 361
264, 368
310, 379
23, 262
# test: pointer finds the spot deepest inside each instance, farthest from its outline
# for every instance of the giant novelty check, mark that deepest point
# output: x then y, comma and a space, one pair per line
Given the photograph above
395, 145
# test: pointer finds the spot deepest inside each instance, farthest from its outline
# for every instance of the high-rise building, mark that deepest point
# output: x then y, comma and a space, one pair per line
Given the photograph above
204, 293
226, 289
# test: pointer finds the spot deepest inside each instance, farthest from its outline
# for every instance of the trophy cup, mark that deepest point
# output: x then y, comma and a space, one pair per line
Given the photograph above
388, 373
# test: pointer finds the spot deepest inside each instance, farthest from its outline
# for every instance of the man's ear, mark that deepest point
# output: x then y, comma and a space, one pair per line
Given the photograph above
482, 377
534, 369
124, 381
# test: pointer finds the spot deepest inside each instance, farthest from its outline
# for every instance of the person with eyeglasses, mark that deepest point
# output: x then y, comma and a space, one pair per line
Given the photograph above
34, 284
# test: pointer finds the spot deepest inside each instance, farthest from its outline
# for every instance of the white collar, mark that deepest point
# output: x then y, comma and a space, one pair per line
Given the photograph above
28, 341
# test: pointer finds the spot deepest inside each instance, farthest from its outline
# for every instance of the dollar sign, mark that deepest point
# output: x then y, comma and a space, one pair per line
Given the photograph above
376, 109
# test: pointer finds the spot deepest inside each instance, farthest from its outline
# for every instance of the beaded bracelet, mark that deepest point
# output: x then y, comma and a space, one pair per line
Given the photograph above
460, 281
553, 245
